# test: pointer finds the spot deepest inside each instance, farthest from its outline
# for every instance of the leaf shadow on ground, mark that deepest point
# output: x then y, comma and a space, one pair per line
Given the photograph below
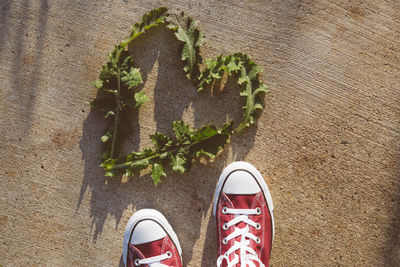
28, 57
185, 199
391, 250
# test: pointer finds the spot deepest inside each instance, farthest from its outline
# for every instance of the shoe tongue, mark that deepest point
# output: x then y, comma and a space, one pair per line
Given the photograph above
151, 249
241, 201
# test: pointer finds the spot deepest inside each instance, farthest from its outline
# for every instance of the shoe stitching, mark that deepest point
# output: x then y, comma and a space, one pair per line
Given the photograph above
227, 200
224, 199
219, 224
174, 252
264, 206
262, 202
165, 245
254, 204
175, 256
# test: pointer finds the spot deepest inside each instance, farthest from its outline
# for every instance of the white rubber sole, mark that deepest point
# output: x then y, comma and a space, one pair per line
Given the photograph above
241, 165
150, 214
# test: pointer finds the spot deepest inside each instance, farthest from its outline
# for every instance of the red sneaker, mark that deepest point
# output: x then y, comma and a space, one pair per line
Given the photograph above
149, 241
244, 214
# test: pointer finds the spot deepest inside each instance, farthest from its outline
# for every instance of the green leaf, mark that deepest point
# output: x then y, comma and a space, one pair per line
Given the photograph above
258, 106
105, 138
140, 99
156, 173
205, 132
109, 114
213, 140
149, 20
182, 131
161, 141
112, 92
186, 30
128, 172
180, 160
108, 164
139, 164
206, 153
109, 174
215, 69
232, 64
98, 84
146, 153
253, 88
131, 78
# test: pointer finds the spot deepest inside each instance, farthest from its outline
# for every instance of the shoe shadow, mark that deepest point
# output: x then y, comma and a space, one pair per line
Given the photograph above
121, 262
240, 147
183, 199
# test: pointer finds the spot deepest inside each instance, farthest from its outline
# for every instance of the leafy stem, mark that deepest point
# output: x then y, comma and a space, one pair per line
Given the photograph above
119, 78
117, 113
186, 145
119, 72
127, 164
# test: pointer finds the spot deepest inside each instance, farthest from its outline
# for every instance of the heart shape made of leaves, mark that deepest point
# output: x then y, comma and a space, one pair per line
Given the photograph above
116, 94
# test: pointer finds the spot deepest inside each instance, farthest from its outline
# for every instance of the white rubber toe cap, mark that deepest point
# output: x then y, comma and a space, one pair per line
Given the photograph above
241, 183
147, 225
147, 231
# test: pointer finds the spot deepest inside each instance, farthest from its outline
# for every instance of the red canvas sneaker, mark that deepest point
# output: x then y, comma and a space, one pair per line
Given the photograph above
149, 241
244, 214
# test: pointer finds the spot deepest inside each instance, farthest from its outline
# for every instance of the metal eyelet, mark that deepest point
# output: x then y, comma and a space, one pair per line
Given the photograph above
137, 262
224, 210
225, 226
224, 241
258, 226
258, 240
169, 254
258, 211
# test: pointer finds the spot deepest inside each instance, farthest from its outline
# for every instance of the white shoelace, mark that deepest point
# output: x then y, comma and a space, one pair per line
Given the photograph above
247, 256
154, 261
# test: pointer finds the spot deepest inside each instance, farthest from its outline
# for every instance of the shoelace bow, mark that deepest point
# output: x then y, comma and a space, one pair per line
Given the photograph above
247, 256
154, 261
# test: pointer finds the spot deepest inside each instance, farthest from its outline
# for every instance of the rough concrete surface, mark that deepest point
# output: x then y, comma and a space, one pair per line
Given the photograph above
327, 142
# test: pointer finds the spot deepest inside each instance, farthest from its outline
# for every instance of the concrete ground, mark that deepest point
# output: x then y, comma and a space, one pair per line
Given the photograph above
327, 142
